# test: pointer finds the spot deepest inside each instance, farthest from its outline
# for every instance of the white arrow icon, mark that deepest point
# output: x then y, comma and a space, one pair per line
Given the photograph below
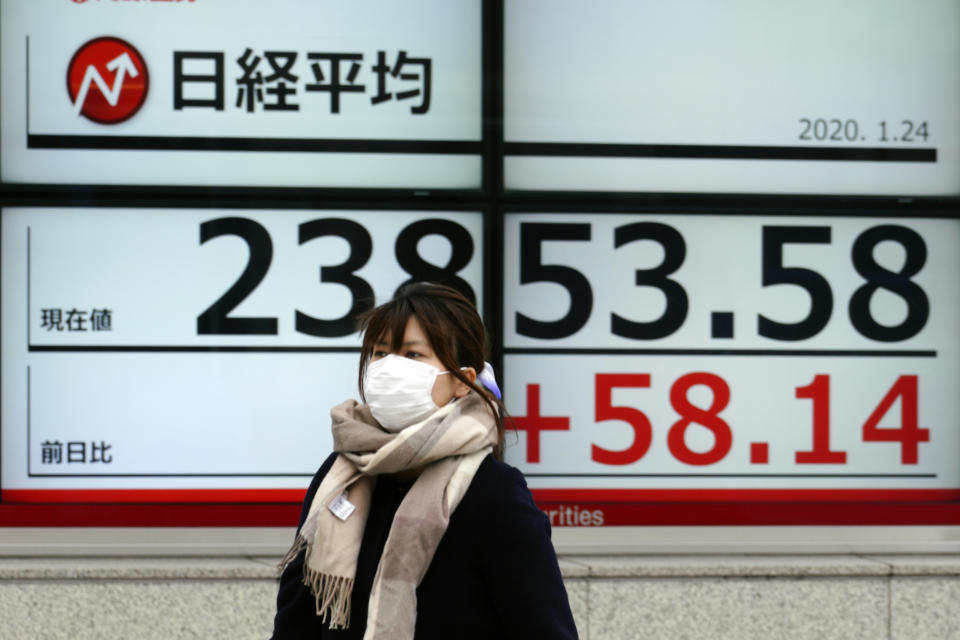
122, 65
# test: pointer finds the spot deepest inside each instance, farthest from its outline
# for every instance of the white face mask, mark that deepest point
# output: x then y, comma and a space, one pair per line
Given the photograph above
399, 391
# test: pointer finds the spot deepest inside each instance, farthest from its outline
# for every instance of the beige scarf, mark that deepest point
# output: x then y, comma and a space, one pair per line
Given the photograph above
450, 445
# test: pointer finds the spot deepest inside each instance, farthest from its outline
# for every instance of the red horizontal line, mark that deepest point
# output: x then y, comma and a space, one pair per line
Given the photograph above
745, 495
149, 515
756, 513
124, 496
613, 514
295, 496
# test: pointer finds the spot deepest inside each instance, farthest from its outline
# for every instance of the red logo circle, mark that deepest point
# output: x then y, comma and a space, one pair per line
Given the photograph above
107, 80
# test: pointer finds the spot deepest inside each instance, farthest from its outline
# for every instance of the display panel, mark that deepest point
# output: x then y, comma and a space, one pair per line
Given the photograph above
747, 96
731, 358
840, 404
152, 353
291, 93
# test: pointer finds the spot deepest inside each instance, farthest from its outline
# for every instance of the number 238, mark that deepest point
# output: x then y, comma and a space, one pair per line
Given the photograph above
216, 318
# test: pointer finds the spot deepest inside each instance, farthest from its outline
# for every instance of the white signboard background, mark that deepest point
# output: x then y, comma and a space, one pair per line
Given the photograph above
744, 72
447, 33
176, 417
150, 268
722, 272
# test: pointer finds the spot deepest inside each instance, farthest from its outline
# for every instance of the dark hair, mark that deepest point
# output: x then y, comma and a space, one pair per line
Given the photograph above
451, 324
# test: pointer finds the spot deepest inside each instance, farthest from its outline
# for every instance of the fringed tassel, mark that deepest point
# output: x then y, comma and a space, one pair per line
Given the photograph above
298, 545
332, 592
333, 597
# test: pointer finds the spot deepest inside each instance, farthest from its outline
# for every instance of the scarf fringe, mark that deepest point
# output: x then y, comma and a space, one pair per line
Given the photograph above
298, 545
332, 593
333, 597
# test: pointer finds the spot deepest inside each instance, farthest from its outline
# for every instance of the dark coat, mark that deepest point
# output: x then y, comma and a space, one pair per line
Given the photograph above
494, 575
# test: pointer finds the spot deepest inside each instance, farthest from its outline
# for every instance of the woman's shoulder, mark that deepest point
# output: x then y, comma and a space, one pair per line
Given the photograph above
322, 472
497, 472
325, 467
499, 507
498, 484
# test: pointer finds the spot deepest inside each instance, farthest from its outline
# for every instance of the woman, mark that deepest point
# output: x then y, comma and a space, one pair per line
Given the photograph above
414, 527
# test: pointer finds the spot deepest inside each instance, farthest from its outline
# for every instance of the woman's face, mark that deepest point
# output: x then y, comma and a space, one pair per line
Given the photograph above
416, 347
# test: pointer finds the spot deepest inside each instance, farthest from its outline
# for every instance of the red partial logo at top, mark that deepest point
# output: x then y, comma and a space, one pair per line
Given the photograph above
107, 80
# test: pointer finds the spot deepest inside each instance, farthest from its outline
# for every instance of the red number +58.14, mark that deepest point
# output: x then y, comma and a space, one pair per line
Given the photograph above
909, 434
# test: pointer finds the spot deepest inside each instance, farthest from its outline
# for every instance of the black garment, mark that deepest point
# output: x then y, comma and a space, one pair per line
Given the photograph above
494, 575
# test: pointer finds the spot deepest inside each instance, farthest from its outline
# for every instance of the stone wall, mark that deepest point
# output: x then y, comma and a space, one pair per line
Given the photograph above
903, 597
